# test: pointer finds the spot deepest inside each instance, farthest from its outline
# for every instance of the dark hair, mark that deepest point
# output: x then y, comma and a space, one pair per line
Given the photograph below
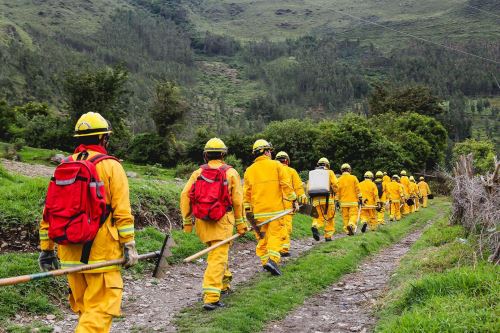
88, 140
214, 155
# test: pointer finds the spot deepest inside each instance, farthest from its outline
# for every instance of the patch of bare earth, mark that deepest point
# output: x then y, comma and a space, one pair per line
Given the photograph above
26, 169
348, 305
151, 304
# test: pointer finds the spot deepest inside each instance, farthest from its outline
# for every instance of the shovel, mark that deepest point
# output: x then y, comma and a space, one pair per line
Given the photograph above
233, 237
159, 272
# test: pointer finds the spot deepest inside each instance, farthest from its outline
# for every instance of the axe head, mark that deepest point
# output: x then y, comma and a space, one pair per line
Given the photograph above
253, 222
162, 263
308, 209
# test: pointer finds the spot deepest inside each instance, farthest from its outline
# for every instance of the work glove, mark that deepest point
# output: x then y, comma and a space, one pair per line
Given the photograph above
295, 207
337, 205
303, 199
360, 202
379, 206
130, 254
241, 228
47, 260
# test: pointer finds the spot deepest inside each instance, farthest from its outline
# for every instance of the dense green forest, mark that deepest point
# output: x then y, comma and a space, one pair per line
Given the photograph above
169, 73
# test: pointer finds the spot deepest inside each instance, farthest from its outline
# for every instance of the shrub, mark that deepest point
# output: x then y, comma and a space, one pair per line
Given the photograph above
184, 170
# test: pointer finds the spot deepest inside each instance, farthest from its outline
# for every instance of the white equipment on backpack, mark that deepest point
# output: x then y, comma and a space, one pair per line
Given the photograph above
319, 183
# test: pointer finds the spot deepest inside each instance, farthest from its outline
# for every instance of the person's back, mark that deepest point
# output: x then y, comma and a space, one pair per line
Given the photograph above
369, 193
349, 198
425, 191
395, 194
96, 295
267, 186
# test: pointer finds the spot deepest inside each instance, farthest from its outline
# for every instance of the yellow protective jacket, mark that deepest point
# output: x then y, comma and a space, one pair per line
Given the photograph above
424, 188
369, 193
381, 195
386, 179
405, 181
348, 190
209, 231
296, 183
116, 230
334, 187
394, 191
267, 188
414, 192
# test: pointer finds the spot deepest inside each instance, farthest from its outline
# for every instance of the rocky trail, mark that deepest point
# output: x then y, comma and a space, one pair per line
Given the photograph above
347, 306
26, 169
150, 304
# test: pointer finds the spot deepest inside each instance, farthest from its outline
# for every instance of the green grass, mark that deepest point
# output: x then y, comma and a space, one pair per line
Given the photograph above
440, 287
33, 155
34, 297
264, 298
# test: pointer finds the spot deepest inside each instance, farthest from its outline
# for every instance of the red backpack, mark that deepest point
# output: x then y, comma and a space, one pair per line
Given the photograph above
75, 207
209, 195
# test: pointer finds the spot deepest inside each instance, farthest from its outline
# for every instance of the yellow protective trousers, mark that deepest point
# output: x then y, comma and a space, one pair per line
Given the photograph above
405, 210
269, 246
369, 216
424, 201
381, 216
395, 211
97, 298
349, 217
217, 275
326, 220
287, 232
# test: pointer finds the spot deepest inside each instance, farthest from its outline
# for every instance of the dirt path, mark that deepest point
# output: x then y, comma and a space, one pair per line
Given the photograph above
150, 304
26, 169
347, 306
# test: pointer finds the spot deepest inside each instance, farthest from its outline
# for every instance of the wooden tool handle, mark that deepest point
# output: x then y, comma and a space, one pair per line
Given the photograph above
30, 277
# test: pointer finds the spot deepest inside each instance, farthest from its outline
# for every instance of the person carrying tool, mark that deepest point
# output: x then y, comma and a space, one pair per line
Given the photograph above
86, 232
213, 197
266, 193
369, 192
406, 186
381, 190
425, 191
349, 199
395, 195
322, 187
297, 186
414, 194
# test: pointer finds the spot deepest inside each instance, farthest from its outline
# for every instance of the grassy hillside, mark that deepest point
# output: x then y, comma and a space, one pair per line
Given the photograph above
250, 19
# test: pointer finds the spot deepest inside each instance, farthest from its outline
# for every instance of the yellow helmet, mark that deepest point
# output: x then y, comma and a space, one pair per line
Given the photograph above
282, 156
91, 123
421, 178
385, 173
345, 166
261, 145
369, 174
379, 174
412, 179
403, 172
215, 145
323, 161
395, 177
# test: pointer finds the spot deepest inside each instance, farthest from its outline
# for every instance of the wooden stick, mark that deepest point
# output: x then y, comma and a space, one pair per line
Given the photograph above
233, 237
58, 272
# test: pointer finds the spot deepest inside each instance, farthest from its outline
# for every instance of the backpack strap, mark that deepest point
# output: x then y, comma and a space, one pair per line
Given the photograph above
101, 157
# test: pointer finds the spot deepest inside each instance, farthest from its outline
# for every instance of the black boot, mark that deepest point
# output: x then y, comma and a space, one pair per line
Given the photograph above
272, 268
328, 239
350, 230
285, 254
213, 306
363, 228
315, 233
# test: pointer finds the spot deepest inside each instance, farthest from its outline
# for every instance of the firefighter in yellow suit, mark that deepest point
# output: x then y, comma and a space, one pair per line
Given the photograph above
425, 190
298, 187
96, 295
217, 275
414, 194
369, 193
386, 179
381, 189
405, 181
326, 214
266, 193
348, 199
395, 195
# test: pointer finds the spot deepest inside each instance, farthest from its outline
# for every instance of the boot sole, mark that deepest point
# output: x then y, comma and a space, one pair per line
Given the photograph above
315, 233
350, 230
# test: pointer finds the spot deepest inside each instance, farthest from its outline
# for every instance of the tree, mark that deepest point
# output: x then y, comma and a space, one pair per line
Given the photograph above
168, 107
418, 99
7, 120
483, 152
